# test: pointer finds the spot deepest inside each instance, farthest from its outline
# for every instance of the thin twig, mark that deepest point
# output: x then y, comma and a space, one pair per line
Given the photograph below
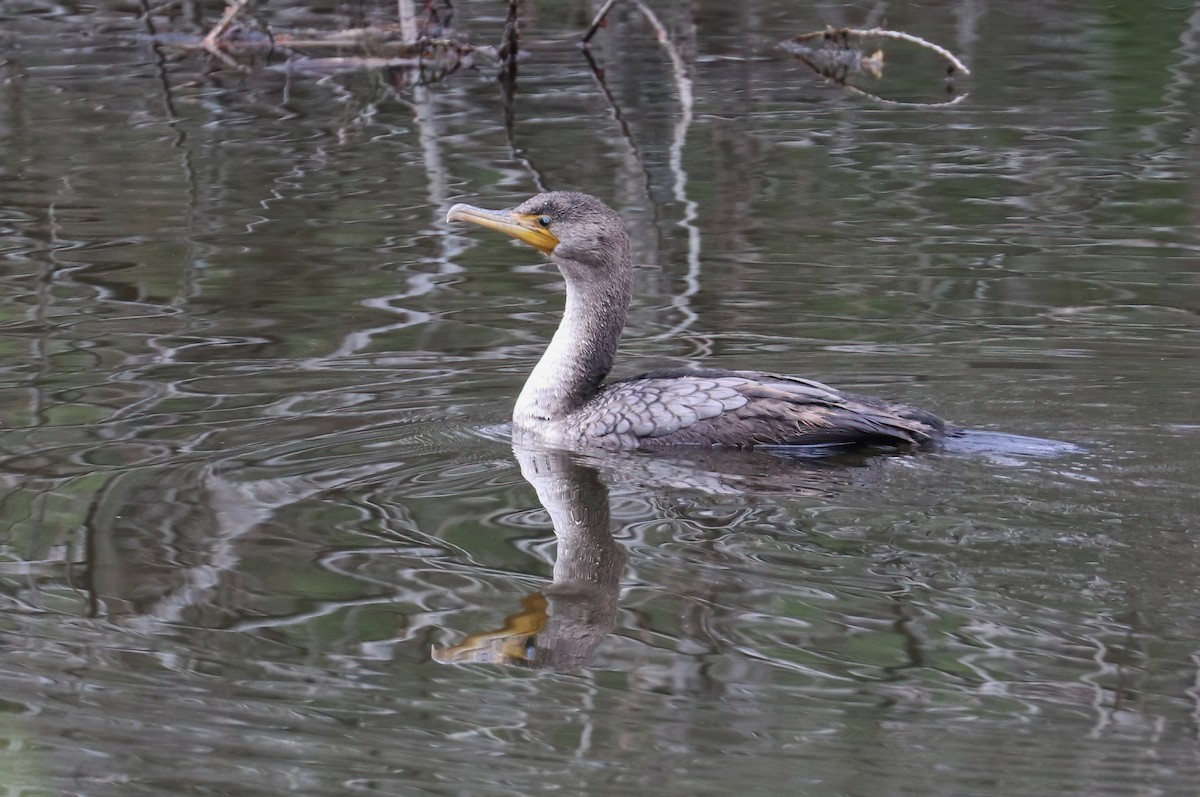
147, 10
212, 41
510, 40
597, 22
507, 52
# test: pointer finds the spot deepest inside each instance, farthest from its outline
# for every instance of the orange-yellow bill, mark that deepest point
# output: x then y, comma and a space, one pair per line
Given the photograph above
522, 226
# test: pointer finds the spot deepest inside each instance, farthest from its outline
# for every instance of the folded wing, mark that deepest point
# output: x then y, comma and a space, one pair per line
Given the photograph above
740, 408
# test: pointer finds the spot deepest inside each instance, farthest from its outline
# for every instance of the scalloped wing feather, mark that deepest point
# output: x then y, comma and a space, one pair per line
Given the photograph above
746, 408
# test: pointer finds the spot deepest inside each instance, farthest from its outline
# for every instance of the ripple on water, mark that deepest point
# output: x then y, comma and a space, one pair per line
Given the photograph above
251, 478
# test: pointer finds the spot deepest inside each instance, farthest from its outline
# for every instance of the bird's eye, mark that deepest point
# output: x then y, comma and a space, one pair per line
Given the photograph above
544, 221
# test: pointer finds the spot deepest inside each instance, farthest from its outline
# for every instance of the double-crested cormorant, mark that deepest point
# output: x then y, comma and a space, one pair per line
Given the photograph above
566, 402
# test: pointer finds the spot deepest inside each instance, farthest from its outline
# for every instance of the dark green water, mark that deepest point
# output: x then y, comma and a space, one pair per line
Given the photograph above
254, 484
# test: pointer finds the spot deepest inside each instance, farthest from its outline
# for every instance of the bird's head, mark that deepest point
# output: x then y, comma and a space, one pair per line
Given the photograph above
572, 228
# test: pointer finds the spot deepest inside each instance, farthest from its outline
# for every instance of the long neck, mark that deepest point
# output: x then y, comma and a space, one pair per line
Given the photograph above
581, 353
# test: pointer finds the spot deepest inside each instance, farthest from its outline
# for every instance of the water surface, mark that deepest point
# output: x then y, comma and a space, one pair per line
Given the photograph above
263, 532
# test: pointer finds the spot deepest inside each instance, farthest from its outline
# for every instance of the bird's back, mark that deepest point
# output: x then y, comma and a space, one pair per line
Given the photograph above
742, 408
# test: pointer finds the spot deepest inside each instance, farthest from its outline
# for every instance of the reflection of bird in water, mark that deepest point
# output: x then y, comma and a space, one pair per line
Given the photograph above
562, 627
566, 403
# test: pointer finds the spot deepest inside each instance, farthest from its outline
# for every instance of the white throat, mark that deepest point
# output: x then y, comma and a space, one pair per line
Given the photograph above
579, 356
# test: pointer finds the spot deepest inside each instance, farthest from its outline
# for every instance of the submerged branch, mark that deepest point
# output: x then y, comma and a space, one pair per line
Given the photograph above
838, 54
409, 43
842, 36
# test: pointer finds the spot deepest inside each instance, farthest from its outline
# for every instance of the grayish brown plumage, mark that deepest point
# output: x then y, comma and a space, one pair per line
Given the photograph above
566, 403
